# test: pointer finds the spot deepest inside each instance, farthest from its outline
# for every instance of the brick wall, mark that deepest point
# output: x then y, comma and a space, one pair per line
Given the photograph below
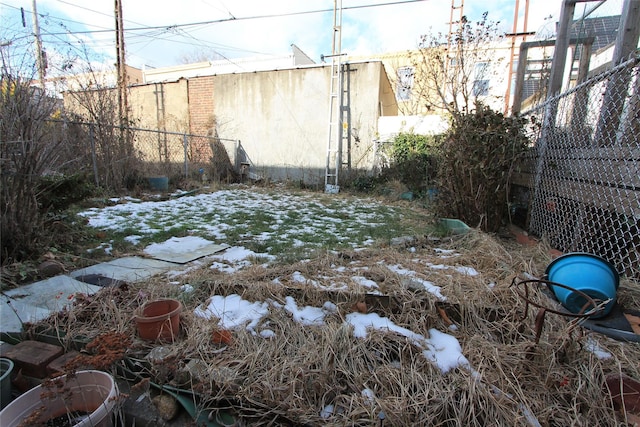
201, 111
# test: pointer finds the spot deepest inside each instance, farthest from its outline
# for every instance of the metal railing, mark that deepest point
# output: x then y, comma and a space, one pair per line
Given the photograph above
583, 171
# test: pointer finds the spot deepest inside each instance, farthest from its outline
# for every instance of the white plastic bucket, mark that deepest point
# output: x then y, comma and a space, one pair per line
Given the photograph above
88, 398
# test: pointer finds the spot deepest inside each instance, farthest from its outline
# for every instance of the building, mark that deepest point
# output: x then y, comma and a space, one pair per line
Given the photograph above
279, 116
91, 80
277, 107
228, 66
590, 52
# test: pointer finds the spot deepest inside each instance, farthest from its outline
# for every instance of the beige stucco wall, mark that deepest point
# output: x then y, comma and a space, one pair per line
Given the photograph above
92, 80
260, 62
163, 107
160, 106
282, 117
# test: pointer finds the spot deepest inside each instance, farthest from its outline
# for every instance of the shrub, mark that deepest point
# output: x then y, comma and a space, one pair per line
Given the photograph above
26, 153
413, 161
476, 161
58, 192
365, 183
41, 171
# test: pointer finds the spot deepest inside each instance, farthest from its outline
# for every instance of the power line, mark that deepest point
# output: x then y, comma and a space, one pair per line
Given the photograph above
95, 11
47, 16
246, 18
171, 32
171, 36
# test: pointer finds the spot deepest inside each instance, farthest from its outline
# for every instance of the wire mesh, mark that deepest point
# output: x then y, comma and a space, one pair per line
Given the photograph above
118, 156
584, 168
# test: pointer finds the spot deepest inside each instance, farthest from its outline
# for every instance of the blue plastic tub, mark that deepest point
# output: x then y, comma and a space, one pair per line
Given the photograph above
587, 273
159, 183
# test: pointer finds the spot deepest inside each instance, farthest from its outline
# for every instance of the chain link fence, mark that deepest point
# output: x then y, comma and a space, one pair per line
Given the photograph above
583, 172
125, 156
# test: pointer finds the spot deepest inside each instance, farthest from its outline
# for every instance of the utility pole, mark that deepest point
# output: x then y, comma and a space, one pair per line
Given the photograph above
39, 53
513, 58
123, 104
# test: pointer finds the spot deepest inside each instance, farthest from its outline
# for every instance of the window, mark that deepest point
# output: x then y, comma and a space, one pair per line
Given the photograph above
481, 87
481, 81
405, 83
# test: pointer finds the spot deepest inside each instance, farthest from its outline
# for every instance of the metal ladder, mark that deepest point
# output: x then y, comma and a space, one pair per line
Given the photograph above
334, 143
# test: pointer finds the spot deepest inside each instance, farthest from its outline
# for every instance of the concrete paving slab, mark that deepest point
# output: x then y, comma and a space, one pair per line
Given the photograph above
13, 314
129, 269
173, 253
98, 280
51, 294
34, 302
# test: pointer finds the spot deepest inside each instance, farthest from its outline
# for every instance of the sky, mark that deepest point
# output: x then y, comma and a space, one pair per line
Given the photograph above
164, 33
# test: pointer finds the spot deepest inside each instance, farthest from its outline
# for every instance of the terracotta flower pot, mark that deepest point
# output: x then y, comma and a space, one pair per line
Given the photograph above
159, 320
360, 307
221, 336
625, 393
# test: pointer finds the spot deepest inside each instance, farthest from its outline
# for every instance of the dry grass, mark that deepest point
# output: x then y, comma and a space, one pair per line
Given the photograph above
288, 379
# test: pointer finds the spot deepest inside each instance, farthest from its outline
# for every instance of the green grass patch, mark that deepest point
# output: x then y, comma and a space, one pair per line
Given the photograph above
289, 226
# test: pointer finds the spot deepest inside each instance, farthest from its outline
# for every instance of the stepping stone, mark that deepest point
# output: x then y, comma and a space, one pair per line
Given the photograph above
129, 269
34, 302
182, 250
13, 314
34, 356
99, 280
52, 294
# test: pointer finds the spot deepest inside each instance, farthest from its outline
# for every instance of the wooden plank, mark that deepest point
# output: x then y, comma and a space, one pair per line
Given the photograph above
623, 201
626, 152
605, 154
621, 176
620, 200
617, 173
613, 166
524, 179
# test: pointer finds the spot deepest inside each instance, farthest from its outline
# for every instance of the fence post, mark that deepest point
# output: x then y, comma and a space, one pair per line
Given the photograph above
93, 155
548, 122
237, 155
561, 46
618, 86
185, 143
